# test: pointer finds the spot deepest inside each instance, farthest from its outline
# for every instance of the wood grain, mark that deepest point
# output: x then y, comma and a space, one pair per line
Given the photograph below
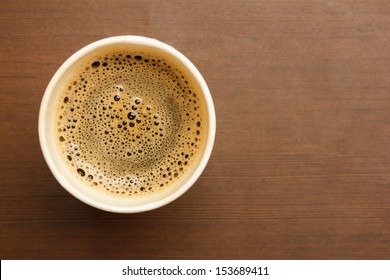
301, 164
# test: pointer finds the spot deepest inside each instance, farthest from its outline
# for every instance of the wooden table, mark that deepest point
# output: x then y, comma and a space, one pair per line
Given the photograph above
301, 164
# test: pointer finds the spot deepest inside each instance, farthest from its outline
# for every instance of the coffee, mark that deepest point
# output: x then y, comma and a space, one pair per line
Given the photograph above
130, 123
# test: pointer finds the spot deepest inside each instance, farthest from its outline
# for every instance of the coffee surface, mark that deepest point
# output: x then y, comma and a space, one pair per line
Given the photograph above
129, 123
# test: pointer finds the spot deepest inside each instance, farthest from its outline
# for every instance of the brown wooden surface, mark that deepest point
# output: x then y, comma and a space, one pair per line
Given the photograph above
301, 164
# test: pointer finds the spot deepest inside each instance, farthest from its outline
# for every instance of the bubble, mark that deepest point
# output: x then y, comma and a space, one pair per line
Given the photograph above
117, 97
138, 57
137, 101
66, 99
62, 139
131, 116
81, 172
95, 64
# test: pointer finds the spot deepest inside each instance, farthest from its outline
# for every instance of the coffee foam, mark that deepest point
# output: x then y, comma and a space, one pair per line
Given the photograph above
130, 123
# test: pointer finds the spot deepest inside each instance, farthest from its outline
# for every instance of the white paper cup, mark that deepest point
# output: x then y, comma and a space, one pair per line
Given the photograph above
47, 126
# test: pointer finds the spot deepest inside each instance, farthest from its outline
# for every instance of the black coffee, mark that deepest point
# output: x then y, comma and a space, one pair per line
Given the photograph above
130, 123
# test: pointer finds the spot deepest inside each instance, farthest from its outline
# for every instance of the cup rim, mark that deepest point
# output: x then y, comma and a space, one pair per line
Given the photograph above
140, 41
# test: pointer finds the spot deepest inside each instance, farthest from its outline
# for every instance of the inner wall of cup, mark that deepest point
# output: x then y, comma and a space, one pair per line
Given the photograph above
61, 171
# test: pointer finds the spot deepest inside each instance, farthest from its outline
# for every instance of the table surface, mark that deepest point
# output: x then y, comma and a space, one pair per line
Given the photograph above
301, 163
